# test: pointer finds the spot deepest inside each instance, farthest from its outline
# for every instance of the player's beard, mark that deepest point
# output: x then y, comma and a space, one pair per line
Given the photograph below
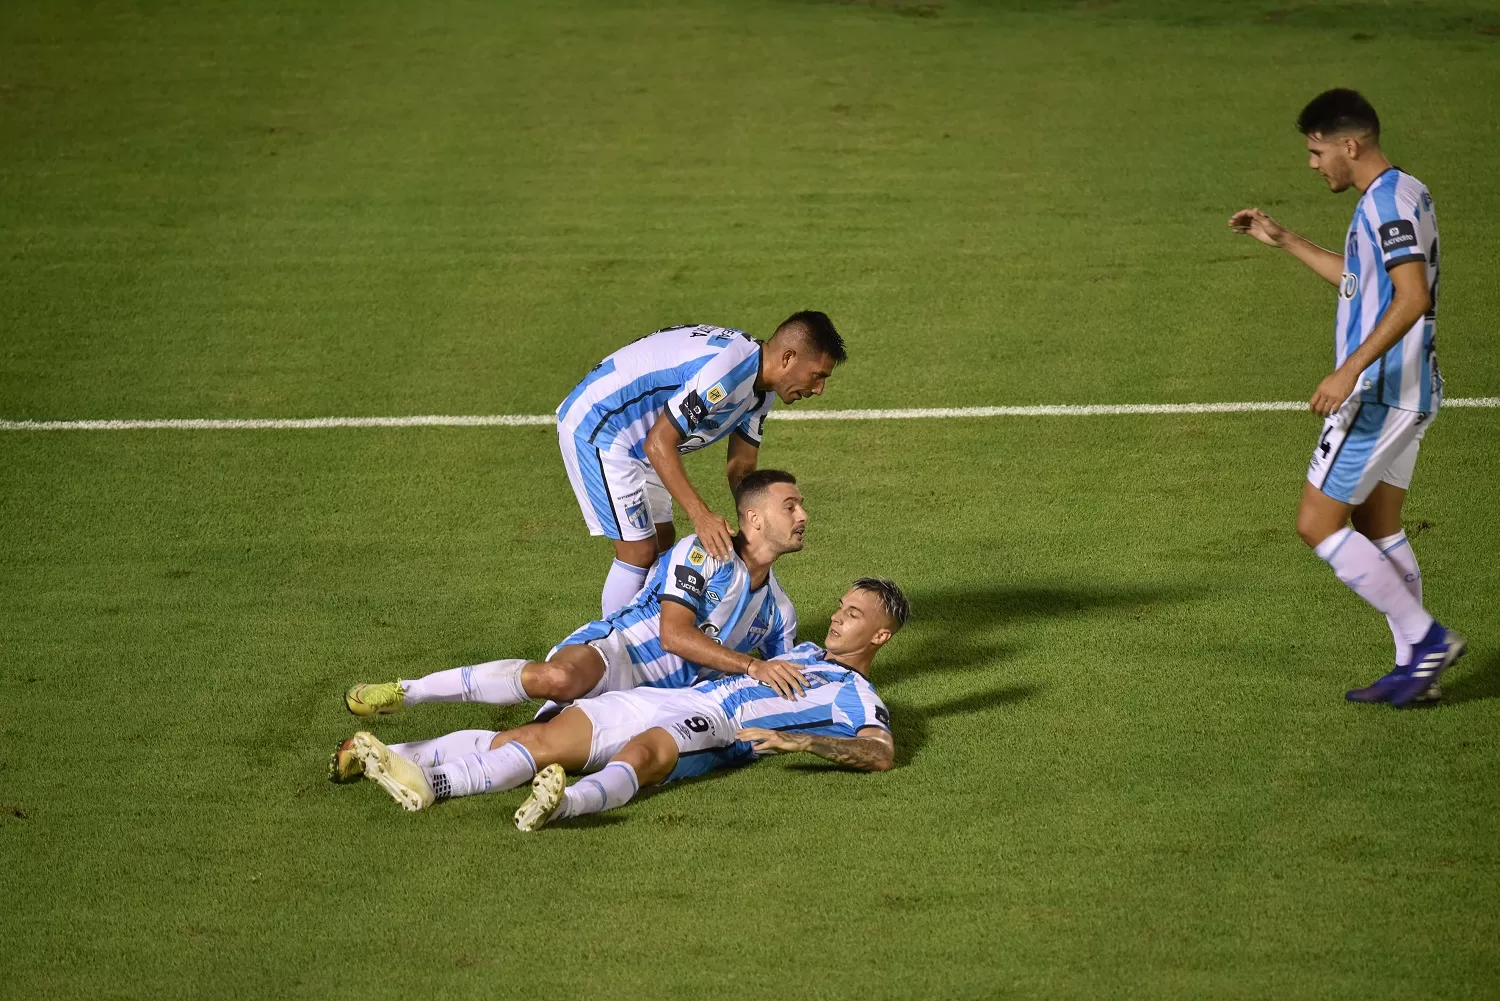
791, 542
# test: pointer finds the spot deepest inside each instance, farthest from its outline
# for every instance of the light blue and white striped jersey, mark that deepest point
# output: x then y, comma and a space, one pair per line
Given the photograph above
1394, 223
724, 607
702, 378
838, 702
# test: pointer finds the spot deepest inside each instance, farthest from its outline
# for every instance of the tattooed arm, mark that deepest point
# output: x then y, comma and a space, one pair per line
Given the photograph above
869, 750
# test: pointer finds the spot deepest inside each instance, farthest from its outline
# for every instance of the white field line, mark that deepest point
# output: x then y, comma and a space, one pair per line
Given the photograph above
519, 420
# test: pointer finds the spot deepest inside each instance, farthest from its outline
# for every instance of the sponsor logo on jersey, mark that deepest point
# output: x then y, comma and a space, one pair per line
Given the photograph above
689, 581
715, 394
696, 556
692, 410
1398, 234
1349, 285
882, 716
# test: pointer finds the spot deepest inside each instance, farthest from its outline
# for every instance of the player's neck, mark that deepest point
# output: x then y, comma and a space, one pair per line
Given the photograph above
858, 661
761, 385
757, 557
1366, 173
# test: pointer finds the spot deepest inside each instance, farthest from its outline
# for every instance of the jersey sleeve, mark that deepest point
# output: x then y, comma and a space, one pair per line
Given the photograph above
752, 427
729, 373
1393, 213
857, 706
688, 568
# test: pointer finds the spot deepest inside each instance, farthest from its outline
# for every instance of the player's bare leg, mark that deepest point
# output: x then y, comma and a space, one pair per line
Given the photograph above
646, 761
570, 673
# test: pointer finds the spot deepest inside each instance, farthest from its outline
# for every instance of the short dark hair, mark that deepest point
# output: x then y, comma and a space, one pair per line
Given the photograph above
754, 484
1340, 111
894, 603
817, 329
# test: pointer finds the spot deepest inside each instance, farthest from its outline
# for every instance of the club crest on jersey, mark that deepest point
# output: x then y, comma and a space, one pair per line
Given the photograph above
697, 556
715, 394
1349, 285
637, 515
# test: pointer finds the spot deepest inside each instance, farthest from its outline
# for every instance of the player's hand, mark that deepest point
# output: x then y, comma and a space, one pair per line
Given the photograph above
1332, 392
785, 678
771, 741
713, 531
1254, 222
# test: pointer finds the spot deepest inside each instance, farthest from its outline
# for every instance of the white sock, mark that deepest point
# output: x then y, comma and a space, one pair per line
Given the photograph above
1397, 549
428, 753
495, 682
604, 790
504, 767
621, 586
1374, 578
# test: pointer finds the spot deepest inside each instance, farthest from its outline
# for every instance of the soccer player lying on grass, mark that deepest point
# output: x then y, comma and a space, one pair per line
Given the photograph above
648, 736
624, 429
694, 611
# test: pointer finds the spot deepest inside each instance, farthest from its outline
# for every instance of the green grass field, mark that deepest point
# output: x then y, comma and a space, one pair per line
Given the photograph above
1127, 767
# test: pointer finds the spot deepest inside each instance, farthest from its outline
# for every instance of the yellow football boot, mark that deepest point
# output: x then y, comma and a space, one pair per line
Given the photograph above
380, 699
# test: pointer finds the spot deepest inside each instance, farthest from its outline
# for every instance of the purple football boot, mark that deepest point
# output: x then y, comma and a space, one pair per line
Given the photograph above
1429, 659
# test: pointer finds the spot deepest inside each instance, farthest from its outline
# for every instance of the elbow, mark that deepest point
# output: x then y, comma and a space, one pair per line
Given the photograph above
671, 641
882, 764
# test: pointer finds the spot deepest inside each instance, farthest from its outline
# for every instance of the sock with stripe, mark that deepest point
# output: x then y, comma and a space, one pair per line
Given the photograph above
504, 767
621, 586
445, 748
604, 790
1374, 578
495, 682
1397, 550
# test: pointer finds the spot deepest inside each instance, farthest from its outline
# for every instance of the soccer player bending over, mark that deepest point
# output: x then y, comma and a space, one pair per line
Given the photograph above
623, 740
624, 429
1382, 397
696, 610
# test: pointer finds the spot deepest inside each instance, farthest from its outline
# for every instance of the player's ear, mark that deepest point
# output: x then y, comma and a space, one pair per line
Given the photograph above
881, 637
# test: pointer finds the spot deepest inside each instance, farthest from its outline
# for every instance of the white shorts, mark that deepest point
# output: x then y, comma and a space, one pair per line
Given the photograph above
695, 721
621, 497
1364, 444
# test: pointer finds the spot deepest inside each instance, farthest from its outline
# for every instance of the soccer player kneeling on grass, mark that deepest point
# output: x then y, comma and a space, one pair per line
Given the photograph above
694, 611
624, 429
1382, 398
624, 740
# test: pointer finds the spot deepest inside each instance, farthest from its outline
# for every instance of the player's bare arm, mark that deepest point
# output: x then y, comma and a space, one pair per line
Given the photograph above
681, 636
661, 451
741, 461
872, 749
1254, 222
1410, 301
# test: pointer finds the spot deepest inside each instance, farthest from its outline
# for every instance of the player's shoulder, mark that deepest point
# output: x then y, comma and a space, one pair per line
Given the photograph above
690, 551
807, 652
1396, 187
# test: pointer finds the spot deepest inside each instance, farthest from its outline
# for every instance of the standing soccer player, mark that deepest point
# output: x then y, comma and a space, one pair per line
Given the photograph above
624, 429
1385, 390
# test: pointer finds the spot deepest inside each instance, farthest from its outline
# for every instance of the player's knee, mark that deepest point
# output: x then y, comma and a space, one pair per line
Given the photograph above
653, 755
1312, 527
560, 682
641, 553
